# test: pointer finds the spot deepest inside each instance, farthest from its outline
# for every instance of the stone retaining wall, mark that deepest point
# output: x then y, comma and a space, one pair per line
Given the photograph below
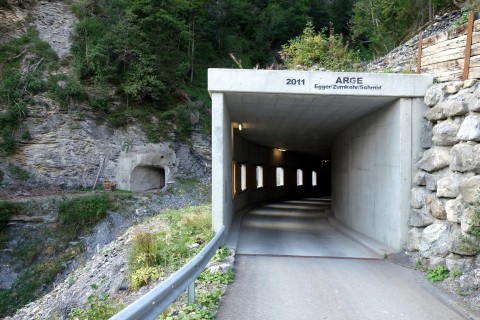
447, 183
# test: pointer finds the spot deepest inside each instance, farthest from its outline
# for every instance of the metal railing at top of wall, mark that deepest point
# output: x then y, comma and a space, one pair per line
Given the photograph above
154, 302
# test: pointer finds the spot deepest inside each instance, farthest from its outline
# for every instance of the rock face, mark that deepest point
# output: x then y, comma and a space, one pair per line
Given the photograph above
52, 19
13, 20
54, 22
404, 57
446, 186
70, 150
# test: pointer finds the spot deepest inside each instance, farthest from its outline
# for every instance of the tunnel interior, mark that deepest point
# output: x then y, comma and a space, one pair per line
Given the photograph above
144, 178
355, 146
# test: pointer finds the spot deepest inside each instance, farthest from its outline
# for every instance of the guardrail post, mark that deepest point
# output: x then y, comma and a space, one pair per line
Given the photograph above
191, 292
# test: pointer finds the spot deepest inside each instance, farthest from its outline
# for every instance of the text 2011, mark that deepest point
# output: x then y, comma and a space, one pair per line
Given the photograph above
294, 82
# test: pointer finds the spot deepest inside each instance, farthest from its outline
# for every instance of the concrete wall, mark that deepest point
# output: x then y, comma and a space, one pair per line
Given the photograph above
372, 171
371, 159
222, 155
139, 169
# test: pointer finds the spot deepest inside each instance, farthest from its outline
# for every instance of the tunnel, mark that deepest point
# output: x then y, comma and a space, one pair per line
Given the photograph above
349, 137
144, 178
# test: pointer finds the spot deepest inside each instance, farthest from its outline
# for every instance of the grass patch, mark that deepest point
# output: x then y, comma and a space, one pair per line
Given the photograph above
153, 255
80, 215
186, 187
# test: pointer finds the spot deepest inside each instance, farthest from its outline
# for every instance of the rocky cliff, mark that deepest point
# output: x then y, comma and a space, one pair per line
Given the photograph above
69, 148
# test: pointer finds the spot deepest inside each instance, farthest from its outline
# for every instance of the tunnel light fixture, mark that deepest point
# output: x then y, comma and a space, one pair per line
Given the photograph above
282, 149
240, 126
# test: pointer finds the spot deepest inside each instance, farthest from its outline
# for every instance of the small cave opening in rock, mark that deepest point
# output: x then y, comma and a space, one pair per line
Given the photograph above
145, 178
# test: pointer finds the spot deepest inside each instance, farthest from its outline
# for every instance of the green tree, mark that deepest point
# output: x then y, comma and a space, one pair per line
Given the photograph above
380, 25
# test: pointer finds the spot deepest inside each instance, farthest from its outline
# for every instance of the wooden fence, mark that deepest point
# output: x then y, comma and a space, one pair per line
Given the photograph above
453, 54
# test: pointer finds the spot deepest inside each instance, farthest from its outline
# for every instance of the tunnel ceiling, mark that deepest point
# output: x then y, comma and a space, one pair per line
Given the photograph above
298, 122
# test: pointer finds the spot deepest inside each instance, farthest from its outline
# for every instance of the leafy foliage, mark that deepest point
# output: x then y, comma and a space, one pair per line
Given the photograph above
221, 254
439, 273
314, 49
64, 89
379, 26
216, 277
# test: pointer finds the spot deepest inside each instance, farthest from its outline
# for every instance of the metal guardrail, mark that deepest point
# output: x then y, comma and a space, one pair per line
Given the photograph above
154, 302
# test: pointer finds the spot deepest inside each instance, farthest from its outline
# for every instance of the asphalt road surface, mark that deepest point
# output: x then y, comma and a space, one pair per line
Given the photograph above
292, 264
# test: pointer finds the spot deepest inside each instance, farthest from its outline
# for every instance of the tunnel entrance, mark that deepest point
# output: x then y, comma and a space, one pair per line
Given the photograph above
360, 136
146, 178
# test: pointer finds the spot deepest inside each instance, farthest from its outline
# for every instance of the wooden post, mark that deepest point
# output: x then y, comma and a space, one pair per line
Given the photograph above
419, 59
468, 47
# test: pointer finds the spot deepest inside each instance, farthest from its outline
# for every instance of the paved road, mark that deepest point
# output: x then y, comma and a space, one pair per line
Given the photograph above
276, 280
298, 228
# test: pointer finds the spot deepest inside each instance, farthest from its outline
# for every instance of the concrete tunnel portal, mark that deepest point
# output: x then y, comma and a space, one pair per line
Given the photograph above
280, 135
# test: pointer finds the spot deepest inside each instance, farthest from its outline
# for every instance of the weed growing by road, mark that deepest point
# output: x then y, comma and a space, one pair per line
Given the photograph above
439, 273
209, 290
208, 277
152, 255
221, 254
470, 242
98, 307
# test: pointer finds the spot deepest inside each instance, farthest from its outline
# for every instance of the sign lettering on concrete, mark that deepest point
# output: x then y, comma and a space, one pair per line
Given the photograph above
316, 82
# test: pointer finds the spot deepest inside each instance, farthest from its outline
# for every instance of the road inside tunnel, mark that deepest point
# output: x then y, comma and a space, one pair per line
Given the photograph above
297, 228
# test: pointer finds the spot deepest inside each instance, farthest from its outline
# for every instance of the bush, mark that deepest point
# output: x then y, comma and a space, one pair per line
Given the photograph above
64, 89
144, 276
315, 49
19, 173
98, 307
7, 209
17, 88
81, 214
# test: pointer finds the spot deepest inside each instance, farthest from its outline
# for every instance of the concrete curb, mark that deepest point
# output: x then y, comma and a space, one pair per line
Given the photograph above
377, 247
